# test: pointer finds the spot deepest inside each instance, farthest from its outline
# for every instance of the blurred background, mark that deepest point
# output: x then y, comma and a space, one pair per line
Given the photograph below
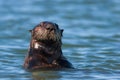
91, 39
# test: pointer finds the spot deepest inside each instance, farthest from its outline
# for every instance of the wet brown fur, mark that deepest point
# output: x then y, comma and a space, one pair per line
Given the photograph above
45, 48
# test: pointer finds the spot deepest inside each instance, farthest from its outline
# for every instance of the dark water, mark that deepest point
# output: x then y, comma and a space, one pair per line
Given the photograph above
91, 38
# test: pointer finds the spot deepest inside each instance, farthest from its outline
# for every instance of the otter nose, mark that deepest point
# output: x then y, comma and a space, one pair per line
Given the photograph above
50, 28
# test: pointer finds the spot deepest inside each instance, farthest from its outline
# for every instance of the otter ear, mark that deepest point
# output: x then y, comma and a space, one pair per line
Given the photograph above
62, 32
56, 25
30, 30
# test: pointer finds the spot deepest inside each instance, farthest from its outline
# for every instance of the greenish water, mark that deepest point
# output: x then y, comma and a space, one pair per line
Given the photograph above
91, 38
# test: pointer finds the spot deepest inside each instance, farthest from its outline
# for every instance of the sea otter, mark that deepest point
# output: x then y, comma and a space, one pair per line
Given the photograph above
45, 48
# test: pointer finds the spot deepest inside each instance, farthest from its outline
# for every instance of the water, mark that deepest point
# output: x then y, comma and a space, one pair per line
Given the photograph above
91, 38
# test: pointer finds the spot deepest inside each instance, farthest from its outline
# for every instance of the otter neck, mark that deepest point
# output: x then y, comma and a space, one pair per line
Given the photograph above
46, 50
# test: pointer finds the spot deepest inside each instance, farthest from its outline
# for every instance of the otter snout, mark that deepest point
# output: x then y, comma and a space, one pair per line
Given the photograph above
50, 27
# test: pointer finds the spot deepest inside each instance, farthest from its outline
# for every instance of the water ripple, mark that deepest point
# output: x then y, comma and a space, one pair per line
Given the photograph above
91, 37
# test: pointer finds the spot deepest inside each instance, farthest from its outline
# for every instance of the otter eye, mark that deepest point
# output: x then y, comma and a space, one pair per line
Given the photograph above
39, 25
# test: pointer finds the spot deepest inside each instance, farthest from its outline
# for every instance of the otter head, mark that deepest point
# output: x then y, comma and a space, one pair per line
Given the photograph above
46, 32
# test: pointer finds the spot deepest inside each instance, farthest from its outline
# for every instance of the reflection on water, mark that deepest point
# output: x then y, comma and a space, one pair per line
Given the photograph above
91, 38
46, 75
54, 74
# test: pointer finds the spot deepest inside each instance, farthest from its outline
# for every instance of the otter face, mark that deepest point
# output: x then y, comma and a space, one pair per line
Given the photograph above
47, 31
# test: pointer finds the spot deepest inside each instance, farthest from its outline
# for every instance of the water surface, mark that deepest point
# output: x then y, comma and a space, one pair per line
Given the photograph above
91, 38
